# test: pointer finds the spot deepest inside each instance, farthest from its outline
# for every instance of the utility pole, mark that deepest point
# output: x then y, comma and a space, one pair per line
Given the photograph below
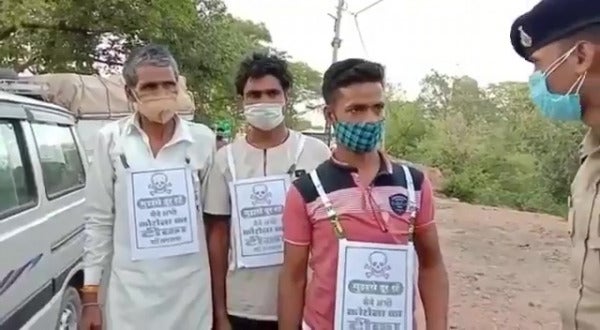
335, 45
337, 41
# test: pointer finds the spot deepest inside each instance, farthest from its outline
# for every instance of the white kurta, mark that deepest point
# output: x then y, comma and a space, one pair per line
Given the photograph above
169, 293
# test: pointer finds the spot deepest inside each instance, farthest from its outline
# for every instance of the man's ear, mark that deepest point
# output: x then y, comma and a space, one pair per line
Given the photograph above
286, 97
328, 113
588, 56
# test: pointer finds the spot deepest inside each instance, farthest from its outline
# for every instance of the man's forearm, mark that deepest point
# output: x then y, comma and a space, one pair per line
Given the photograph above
218, 250
290, 301
97, 249
434, 290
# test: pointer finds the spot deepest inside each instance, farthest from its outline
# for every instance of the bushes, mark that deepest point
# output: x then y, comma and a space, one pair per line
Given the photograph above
501, 153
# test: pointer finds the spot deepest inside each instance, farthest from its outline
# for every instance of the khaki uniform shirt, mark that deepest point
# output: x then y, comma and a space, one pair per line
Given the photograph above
252, 293
582, 311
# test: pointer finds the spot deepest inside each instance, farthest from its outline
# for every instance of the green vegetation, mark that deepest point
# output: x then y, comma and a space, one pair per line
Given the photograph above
490, 144
89, 37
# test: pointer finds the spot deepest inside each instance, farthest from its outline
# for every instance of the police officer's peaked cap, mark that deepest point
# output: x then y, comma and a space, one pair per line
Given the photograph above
550, 21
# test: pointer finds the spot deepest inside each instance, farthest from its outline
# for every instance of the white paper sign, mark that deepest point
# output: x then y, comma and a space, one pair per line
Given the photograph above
258, 207
374, 286
162, 213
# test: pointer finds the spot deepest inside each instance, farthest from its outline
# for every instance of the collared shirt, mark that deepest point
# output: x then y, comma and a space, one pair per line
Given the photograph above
581, 308
252, 293
107, 233
375, 214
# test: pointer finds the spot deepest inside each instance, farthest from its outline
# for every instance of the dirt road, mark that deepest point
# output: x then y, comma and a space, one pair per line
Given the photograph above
507, 269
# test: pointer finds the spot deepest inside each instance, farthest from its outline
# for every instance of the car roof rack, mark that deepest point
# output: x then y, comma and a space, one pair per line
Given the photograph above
23, 87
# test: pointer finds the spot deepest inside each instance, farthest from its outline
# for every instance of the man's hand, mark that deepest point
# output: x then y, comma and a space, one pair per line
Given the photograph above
91, 318
91, 314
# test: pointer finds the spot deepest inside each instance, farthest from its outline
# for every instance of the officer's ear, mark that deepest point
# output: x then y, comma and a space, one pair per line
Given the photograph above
588, 57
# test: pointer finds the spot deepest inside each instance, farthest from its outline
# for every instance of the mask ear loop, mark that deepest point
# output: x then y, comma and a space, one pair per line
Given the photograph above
577, 84
559, 61
136, 97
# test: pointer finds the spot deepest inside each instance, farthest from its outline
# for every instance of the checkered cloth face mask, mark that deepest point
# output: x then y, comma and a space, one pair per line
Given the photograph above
359, 137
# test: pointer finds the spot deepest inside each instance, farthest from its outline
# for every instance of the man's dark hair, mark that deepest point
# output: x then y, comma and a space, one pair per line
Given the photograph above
589, 33
348, 72
259, 65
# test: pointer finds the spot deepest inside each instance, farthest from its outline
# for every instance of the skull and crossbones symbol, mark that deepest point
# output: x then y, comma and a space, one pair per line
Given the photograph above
159, 184
377, 265
260, 195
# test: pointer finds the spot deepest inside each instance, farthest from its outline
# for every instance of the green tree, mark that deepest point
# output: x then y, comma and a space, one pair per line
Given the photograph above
92, 37
490, 143
305, 95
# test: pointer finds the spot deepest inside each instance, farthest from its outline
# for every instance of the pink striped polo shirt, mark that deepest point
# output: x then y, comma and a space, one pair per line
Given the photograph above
374, 214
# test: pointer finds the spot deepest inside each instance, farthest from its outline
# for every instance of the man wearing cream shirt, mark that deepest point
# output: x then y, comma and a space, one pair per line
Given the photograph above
248, 183
144, 233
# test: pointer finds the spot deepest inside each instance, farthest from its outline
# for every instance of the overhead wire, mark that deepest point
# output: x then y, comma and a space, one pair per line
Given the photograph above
360, 36
357, 25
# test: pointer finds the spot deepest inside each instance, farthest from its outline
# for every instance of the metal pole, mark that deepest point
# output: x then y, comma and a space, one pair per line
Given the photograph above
337, 42
335, 45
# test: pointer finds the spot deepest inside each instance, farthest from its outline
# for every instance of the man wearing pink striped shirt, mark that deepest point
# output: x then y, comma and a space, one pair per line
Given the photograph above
358, 195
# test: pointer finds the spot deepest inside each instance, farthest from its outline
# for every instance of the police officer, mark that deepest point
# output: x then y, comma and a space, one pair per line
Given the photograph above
562, 39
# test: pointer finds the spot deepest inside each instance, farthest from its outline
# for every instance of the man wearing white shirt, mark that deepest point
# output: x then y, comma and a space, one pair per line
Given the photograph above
247, 184
144, 230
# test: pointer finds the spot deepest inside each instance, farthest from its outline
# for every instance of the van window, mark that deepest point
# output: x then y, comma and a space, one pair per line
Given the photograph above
17, 189
88, 132
61, 162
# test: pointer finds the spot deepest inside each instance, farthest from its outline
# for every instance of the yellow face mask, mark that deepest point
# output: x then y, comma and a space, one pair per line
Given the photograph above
159, 109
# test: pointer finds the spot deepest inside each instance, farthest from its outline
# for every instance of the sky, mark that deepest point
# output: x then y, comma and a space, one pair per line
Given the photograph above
409, 37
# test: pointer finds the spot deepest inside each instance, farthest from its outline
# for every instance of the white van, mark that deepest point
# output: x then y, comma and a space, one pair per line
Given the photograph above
42, 180
44, 154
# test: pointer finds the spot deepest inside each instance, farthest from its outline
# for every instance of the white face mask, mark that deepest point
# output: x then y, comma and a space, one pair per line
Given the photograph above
264, 116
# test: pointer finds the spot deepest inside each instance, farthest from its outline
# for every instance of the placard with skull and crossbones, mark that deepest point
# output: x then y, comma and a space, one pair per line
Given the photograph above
377, 265
260, 195
159, 184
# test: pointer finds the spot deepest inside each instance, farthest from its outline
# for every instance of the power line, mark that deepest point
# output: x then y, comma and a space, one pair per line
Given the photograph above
356, 23
360, 37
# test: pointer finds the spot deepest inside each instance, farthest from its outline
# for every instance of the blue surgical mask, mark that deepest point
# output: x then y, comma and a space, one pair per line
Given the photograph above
566, 107
359, 137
